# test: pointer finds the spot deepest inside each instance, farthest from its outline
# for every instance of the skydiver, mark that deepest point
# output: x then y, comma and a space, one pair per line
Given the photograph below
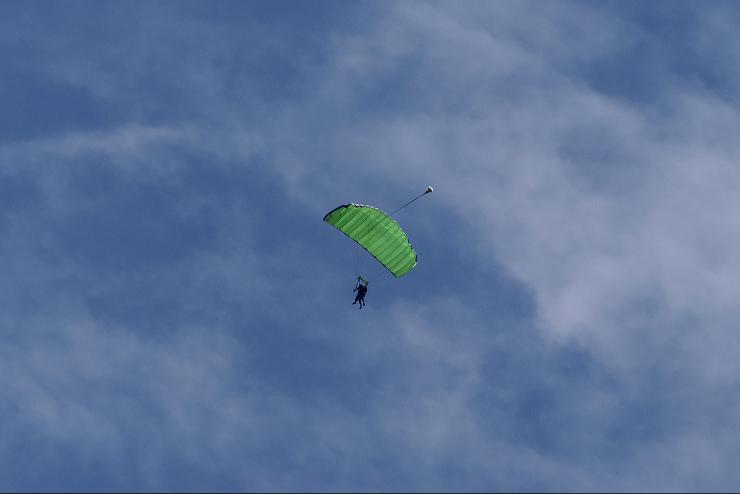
361, 290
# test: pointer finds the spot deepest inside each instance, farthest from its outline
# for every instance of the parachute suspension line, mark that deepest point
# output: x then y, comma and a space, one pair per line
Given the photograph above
429, 189
358, 260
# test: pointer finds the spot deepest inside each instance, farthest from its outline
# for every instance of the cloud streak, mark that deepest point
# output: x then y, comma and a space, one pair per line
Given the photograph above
571, 325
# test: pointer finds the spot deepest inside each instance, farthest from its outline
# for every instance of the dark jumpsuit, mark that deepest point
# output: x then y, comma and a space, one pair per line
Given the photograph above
361, 291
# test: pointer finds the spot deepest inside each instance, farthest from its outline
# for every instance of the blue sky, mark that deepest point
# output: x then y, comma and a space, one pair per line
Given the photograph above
176, 316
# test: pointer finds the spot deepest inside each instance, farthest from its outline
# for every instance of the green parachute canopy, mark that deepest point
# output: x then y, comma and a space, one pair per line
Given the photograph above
377, 233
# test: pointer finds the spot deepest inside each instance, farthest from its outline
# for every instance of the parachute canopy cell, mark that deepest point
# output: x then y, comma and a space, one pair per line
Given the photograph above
377, 233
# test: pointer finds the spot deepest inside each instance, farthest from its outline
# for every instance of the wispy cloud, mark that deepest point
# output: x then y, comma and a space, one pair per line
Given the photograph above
170, 298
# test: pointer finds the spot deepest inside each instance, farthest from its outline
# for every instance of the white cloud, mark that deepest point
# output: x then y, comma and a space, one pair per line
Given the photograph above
593, 202
620, 218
